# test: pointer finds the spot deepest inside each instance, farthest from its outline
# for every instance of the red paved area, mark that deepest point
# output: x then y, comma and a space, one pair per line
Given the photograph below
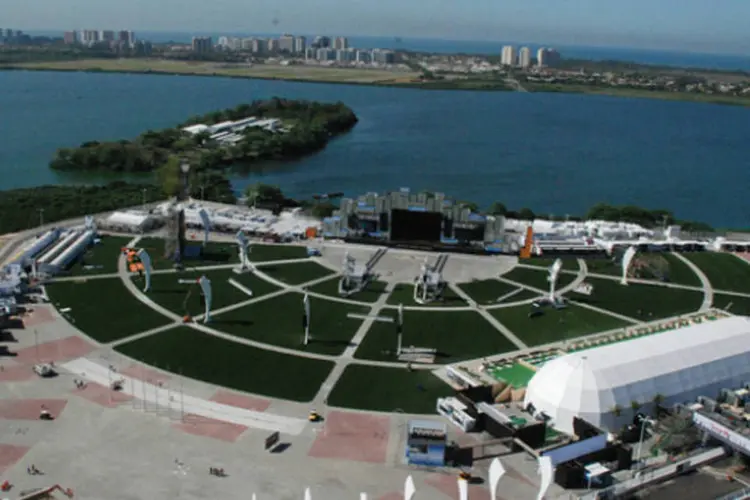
352, 436
144, 374
743, 255
208, 427
16, 373
29, 409
101, 395
10, 455
38, 316
240, 401
448, 485
57, 350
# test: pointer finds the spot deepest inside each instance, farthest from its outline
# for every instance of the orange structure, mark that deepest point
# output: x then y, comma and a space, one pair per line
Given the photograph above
311, 233
526, 250
134, 263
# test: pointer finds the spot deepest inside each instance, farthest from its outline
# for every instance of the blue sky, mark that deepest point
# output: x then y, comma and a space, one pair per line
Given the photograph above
700, 25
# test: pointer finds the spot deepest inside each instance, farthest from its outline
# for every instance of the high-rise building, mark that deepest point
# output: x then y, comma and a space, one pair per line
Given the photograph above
106, 36
247, 44
383, 56
509, 56
88, 37
364, 56
346, 55
70, 37
341, 43
300, 44
321, 42
273, 45
524, 57
286, 43
325, 54
546, 57
202, 44
125, 36
259, 45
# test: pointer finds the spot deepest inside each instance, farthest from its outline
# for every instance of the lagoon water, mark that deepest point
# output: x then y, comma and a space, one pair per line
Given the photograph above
555, 153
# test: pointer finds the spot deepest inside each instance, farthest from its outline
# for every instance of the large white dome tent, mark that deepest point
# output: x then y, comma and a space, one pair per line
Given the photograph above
678, 365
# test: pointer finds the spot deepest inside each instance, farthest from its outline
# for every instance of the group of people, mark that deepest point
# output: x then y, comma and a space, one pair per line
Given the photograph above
31, 470
215, 471
80, 384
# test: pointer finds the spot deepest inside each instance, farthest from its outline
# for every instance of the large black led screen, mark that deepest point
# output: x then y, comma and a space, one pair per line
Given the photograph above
408, 225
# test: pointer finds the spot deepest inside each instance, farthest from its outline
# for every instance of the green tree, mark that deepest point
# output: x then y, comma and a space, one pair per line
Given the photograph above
263, 193
169, 176
497, 208
526, 214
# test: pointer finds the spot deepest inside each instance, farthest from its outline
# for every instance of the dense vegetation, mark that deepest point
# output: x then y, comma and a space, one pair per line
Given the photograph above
310, 125
601, 211
21, 207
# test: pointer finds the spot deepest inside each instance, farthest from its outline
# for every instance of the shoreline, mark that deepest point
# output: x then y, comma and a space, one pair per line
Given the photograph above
477, 85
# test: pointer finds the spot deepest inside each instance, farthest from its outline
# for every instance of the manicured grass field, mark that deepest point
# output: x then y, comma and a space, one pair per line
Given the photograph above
101, 258
203, 357
676, 271
554, 325
186, 298
723, 270
641, 302
487, 291
403, 293
103, 308
296, 273
604, 265
537, 279
456, 335
278, 321
388, 389
214, 253
569, 263
371, 293
260, 252
739, 305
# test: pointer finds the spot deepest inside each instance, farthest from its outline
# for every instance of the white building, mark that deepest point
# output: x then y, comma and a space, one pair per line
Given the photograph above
509, 56
524, 57
677, 365
547, 57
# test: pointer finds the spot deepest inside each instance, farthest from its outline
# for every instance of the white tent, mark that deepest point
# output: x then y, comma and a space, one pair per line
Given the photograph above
678, 365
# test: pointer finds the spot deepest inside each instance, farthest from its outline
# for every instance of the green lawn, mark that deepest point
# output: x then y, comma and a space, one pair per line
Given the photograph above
397, 389
658, 265
554, 325
723, 270
641, 302
456, 335
403, 293
371, 293
186, 299
296, 273
569, 263
537, 279
278, 321
605, 265
203, 357
215, 253
487, 291
101, 258
264, 253
739, 305
103, 308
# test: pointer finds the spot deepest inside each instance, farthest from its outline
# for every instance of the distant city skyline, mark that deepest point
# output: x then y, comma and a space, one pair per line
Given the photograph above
682, 25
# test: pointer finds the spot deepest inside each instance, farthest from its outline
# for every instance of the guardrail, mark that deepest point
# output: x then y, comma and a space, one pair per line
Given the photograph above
737, 495
644, 478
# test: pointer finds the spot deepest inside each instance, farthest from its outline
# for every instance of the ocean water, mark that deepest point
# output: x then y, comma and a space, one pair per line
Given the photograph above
554, 153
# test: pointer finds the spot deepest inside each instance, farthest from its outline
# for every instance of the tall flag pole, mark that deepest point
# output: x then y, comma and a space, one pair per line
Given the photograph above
306, 317
399, 328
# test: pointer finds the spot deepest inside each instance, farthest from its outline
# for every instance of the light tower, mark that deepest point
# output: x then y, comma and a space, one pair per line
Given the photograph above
554, 272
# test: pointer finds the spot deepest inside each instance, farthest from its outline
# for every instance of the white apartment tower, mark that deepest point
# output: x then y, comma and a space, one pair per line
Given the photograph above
547, 57
509, 56
524, 57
